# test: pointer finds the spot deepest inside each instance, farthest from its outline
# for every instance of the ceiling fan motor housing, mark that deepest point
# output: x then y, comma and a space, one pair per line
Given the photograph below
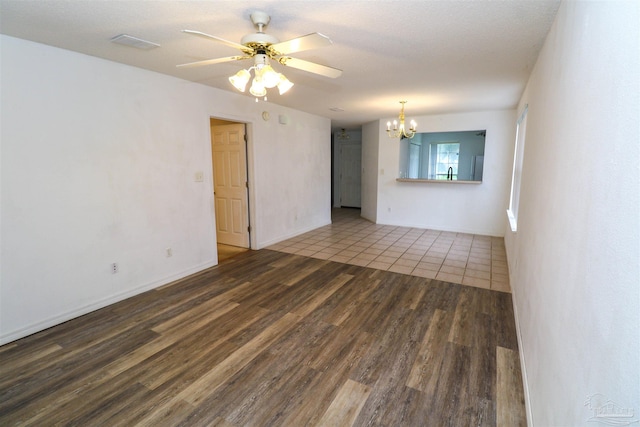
259, 39
260, 20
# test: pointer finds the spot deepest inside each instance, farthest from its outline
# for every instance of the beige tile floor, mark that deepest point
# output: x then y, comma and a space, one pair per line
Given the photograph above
467, 259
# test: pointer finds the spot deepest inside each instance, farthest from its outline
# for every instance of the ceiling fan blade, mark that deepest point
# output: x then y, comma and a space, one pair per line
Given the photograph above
211, 61
310, 41
218, 39
311, 67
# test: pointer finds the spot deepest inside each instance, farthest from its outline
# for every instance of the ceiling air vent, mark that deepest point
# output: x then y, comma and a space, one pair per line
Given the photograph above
128, 40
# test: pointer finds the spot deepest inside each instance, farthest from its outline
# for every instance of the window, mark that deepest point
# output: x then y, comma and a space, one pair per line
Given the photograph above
514, 200
446, 161
415, 153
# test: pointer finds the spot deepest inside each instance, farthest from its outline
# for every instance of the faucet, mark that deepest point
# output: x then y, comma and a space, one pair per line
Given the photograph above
450, 174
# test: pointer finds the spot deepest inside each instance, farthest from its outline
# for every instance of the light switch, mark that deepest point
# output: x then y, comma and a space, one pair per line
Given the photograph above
199, 176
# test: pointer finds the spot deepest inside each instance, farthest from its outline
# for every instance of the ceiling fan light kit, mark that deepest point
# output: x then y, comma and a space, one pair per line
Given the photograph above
265, 78
263, 48
240, 80
399, 130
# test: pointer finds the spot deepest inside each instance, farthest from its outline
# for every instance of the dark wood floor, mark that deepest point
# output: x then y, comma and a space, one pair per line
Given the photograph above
268, 338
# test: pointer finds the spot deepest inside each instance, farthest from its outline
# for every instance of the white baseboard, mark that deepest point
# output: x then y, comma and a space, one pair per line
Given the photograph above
523, 365
80, 311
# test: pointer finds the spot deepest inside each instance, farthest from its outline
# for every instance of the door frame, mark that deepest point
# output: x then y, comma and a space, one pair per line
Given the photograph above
248, 129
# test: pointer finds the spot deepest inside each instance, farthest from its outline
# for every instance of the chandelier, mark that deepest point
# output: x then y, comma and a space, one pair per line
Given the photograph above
265, 77
343, 135
399, 131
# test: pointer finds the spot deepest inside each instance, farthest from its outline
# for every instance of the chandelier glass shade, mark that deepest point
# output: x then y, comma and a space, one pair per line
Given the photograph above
399, 130
343, 135
265, 77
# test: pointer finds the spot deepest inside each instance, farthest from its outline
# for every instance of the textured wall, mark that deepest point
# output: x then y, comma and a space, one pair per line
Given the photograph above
98, 166
575, 259
466, 208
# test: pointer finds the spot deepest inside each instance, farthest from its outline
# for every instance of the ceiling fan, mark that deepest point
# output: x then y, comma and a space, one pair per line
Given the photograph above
262, 48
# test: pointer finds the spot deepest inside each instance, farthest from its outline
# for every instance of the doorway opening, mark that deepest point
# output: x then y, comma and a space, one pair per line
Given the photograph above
346, 164
230, 187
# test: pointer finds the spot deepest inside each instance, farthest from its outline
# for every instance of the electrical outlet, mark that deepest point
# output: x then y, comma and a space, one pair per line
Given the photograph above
114, 268
169, 252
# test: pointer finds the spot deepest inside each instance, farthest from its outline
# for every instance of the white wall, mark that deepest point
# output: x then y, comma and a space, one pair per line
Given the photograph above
468, 208
369, 182
292, 179
98, 166
575, 258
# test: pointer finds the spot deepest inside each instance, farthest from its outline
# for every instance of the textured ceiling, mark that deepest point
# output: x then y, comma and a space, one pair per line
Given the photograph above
440, 56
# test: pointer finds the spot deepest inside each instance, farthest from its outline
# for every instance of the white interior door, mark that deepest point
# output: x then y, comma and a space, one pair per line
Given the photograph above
230, 189
350, 176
